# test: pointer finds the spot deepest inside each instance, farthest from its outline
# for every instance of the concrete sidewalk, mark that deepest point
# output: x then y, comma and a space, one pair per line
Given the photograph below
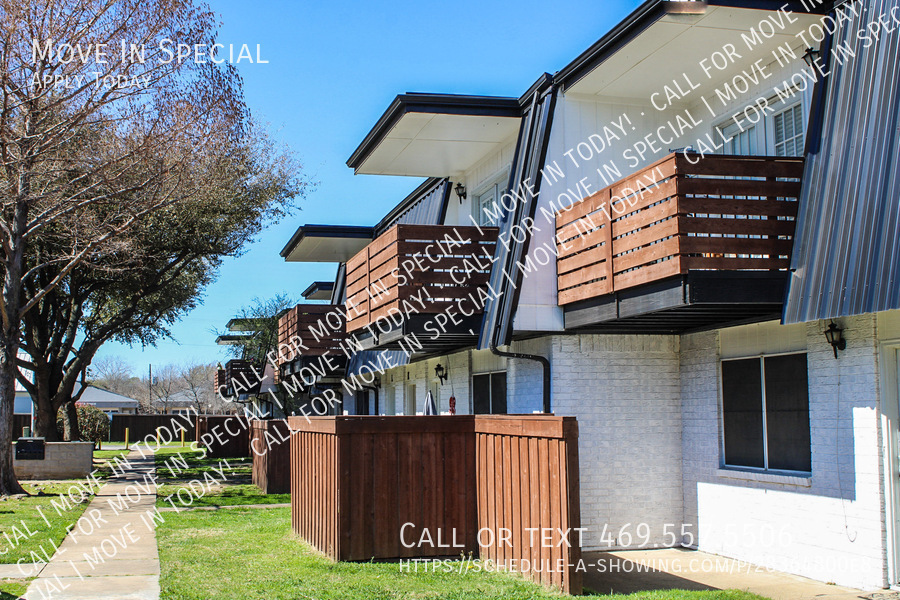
628, 571
111, 554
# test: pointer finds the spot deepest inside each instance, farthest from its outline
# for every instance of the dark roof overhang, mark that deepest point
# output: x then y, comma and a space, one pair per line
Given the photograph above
319, 290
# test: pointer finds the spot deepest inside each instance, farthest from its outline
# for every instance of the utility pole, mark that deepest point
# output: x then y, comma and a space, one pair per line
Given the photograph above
150, 387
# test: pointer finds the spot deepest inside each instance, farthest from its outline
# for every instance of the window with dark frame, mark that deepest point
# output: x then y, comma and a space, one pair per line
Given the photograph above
765, 405
489, 393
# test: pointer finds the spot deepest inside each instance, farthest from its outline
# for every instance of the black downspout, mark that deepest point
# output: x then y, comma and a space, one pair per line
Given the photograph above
545, 364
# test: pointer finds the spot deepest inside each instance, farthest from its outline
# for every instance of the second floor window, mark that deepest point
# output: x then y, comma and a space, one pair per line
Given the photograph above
780, 134
788, 130
486, 203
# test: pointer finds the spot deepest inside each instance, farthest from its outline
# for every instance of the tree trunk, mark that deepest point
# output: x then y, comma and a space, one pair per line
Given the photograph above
70, 422
8, 368
45, 420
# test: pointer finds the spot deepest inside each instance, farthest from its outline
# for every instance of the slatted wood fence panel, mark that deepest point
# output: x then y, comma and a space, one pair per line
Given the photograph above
141, 426
355, 482
224, 436
436, 264
527, 487
270, 447
722, 213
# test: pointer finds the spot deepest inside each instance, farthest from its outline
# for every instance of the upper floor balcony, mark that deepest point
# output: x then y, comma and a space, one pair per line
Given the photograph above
308, 332
422, 281
684, 243
238, 377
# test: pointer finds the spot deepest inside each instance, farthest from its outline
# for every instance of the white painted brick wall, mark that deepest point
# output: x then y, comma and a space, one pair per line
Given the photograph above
830, 530
624, 390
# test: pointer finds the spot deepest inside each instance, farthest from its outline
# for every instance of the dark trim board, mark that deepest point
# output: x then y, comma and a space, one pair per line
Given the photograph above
698, 300
334, 358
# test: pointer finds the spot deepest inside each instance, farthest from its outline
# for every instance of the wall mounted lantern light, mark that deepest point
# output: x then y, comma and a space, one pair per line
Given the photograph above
440, 373
810, 56
460, 190
835, 337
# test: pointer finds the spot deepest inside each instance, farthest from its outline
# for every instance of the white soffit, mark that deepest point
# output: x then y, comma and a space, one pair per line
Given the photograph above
437, 144
673, 47
314, 248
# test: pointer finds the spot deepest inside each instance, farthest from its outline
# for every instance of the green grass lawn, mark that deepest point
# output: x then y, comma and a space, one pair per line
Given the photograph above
231, 487
165, 450
21, 519
104, 455
251, 554
228, 495
103, 459
11, 589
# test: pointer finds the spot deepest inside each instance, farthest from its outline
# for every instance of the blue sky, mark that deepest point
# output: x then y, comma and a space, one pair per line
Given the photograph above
333, 69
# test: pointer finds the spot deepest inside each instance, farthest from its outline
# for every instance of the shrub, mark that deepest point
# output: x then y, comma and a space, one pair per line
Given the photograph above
93, 424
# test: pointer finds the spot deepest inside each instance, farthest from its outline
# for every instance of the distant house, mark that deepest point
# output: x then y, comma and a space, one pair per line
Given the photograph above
178, 403
109, 402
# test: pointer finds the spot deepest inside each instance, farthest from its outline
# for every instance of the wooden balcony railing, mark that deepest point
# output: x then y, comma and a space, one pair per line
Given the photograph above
238, 377
725, 213
435, 265
311, 330
221, 380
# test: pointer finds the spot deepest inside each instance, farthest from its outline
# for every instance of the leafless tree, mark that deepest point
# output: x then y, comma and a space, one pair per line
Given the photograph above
93, 139
198, 381
166, 384
114, 374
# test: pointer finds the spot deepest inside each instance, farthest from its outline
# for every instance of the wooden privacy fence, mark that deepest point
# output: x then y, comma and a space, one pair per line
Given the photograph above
141, 426
355, 481
271, 450
426, 486
224, 436
528, 489
682, 212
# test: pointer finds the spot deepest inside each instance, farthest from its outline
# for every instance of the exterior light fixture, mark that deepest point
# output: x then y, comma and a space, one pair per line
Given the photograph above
810, 56
834, 335
440, 373
460, 190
